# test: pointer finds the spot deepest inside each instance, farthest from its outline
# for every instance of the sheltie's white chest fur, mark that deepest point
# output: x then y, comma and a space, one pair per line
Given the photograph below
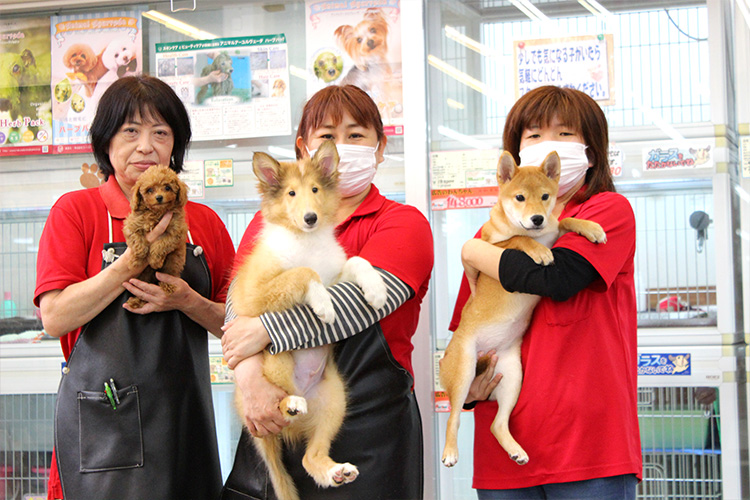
317, 249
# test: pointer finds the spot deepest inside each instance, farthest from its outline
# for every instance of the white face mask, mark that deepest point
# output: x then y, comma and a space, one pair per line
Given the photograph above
573, 161
356, 167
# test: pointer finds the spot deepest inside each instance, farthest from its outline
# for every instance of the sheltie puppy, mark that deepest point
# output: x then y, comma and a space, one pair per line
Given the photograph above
294, 259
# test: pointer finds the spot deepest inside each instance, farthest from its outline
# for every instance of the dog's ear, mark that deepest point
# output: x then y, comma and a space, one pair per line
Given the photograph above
551, 166
136, 201
327, 158
343, 33
506, 168
182, 193
266, 169
374, 14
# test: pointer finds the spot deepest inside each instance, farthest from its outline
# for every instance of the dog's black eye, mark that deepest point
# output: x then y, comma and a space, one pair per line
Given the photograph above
520, 197
545, 197
149, 190
373, 30
292, 193
359, 39
167, 188
314, 190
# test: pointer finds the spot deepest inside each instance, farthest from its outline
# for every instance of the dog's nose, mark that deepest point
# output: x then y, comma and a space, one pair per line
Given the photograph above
159, 198
537, 220
311, 218
371, 43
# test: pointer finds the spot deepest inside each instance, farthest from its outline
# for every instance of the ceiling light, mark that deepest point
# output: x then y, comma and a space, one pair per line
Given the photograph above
283, 152
470, 43
467, 80
463, 138
179, 26
454, 104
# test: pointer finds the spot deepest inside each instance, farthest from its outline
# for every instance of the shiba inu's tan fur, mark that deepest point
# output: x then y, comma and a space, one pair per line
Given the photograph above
494, 318
295, 258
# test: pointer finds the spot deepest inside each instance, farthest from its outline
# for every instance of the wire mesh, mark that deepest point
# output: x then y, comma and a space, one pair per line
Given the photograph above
26, 442
674, 262
681, 443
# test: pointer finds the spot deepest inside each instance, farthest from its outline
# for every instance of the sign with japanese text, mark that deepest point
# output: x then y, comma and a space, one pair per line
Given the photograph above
585, 63
233, 88
463, 179
664, 364
673, 156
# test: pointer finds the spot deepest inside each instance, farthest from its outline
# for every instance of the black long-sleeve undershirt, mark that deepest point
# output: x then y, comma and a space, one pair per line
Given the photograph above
569, 274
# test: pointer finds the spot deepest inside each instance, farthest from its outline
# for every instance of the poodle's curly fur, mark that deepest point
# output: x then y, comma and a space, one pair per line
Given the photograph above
157, 191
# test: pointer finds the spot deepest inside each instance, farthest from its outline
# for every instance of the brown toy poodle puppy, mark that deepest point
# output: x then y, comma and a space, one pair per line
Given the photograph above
157, 191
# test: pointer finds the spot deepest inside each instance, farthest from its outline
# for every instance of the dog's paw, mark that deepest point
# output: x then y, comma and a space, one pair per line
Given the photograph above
135, 302
596, 236
168, 289
320, 302
450, 458
342, 474
520, 457
368, 279
541, 255
293, 406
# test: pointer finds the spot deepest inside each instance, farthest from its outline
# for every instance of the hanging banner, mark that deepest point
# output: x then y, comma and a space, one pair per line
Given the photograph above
674, 156
351, 44
233, 88
89, 52
26, 110
463, 179
585, 63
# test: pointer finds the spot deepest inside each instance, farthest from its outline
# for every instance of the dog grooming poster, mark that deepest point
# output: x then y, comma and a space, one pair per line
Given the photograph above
233, 88
349, 44
26, 109
89, 52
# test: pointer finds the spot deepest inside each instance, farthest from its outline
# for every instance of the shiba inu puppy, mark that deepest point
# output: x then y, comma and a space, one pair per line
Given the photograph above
494, 318
295, 258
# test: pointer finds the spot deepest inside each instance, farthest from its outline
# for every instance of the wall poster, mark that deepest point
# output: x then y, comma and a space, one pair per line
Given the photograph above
585, 63
463, 179
232, 87
25, 105
89, 52
351, 44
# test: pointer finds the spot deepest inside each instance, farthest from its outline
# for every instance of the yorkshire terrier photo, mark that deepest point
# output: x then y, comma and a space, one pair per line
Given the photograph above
367, 45
157, 191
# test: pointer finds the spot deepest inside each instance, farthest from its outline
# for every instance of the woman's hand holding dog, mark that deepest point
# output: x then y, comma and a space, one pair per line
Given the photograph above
243, 337
261, 398
156, 299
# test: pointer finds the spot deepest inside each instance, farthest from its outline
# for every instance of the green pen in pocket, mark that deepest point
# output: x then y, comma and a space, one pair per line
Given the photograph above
108, 392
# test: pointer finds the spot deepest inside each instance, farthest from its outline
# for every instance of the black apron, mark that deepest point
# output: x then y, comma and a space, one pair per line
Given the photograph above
160, 441
381, 435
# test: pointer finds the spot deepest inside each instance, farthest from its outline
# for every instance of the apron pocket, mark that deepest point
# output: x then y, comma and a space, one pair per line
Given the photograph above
110, 439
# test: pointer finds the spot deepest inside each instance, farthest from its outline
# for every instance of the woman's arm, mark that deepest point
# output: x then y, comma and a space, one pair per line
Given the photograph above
72, 307
517, 272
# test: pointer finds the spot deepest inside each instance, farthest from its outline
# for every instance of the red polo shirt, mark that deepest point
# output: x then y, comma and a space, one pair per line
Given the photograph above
70, 249
576, 415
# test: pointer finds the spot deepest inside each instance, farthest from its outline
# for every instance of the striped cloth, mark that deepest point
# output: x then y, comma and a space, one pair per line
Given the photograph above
299, 327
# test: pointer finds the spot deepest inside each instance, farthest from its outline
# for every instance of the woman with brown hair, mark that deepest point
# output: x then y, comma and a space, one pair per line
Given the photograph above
576, 415
382, 433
